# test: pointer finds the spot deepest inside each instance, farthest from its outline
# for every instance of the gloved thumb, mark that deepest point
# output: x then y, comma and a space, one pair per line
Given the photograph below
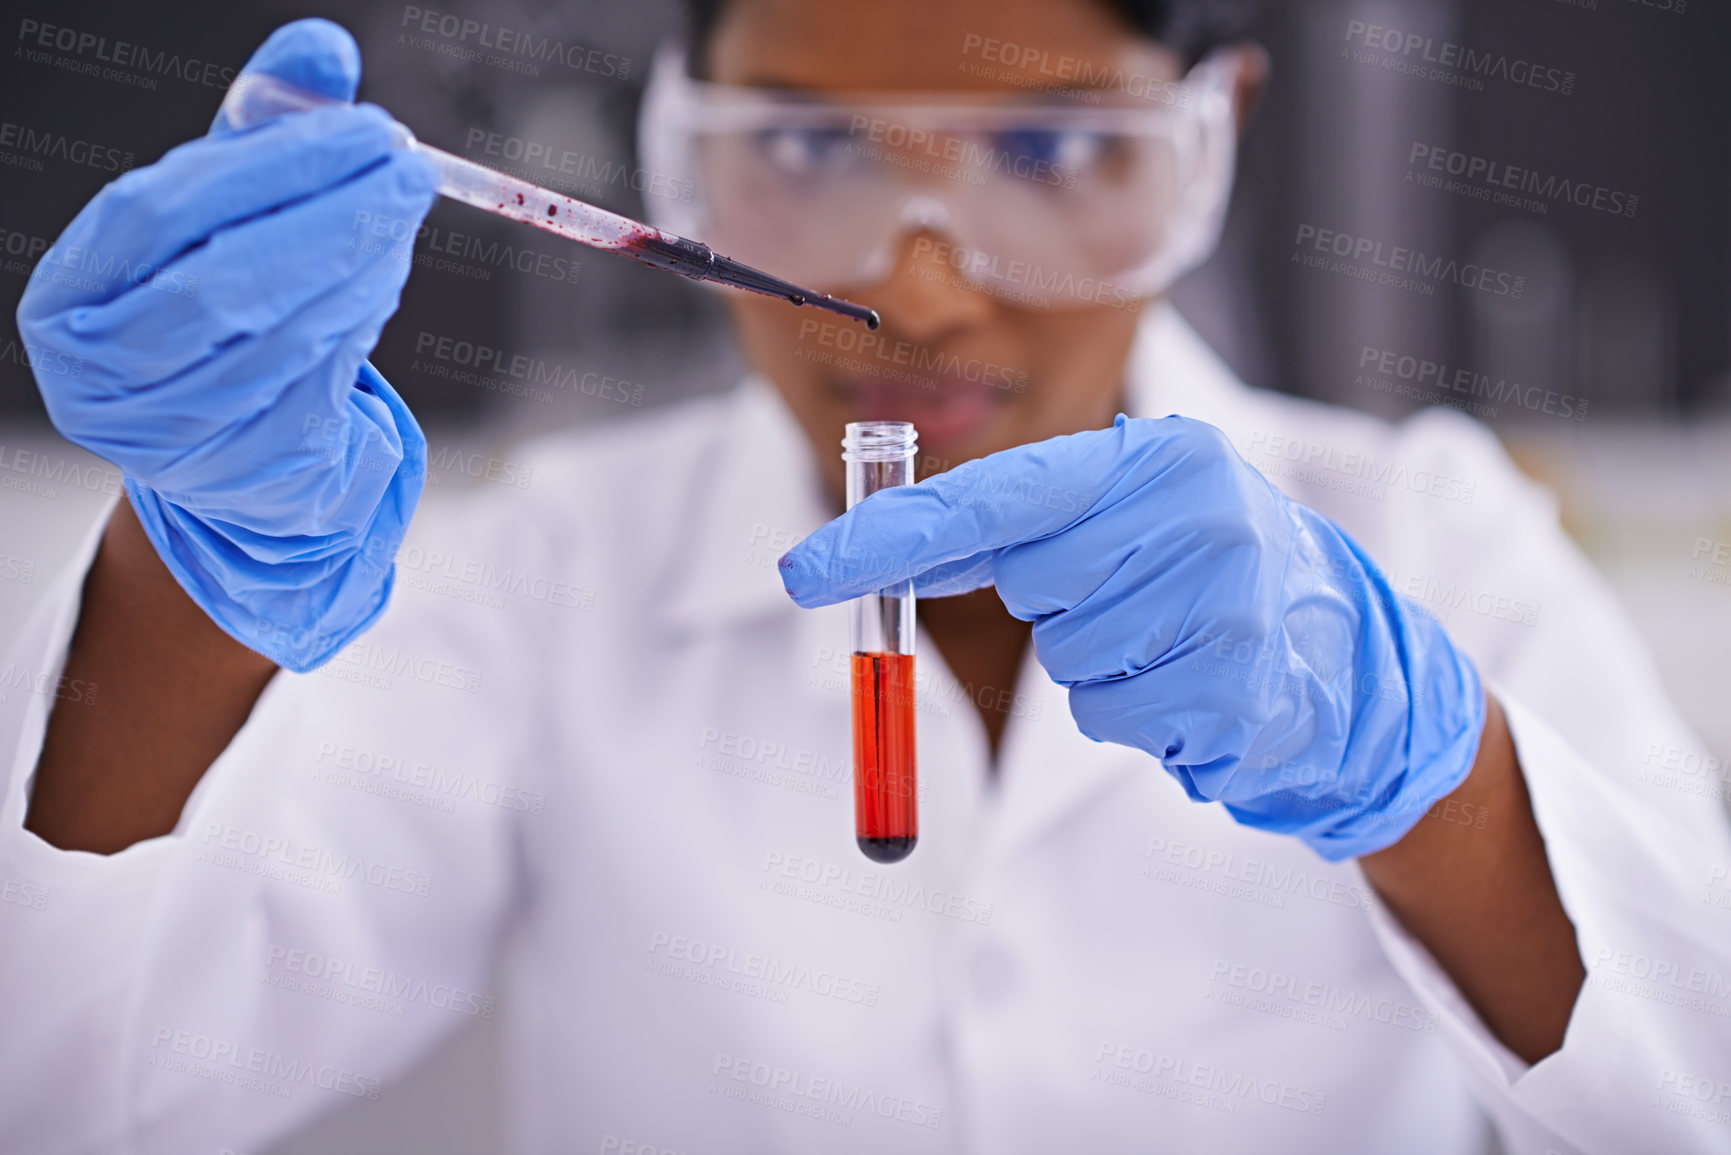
313, 54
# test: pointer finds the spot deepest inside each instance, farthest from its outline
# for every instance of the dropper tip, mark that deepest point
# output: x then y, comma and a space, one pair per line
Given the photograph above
867, 317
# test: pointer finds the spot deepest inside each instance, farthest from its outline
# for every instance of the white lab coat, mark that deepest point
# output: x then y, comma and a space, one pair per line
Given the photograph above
592, 720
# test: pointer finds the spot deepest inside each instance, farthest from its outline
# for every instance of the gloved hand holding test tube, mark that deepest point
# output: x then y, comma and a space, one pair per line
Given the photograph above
257, 97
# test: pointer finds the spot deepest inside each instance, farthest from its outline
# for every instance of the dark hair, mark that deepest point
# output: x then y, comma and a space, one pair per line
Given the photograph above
1189, 27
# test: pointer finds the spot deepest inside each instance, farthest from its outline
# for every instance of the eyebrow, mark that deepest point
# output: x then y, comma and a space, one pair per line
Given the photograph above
790, 88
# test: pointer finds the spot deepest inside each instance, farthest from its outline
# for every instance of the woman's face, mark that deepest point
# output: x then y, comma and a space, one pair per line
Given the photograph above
1046, 371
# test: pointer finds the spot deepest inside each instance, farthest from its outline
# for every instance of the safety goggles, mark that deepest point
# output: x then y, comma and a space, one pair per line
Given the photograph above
1053, 202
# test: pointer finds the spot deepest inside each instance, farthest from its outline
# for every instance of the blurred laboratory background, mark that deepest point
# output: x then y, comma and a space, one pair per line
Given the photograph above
1613, 365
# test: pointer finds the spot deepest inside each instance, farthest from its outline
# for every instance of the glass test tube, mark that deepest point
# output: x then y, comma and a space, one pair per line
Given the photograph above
880, 454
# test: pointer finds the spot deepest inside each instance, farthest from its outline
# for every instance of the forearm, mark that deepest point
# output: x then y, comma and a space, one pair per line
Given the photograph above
175, 690
1483, 902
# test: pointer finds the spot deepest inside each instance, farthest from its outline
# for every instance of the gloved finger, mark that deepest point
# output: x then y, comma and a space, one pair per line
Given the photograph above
1201, 726
1212, 520
1138, 621
248, 382
1187, 561
958, 577
313, 54
151, 215
249, 279
330, 466
1002, 499
302, 541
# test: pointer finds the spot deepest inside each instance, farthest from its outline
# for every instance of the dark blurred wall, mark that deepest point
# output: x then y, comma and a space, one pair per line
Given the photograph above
1616, 160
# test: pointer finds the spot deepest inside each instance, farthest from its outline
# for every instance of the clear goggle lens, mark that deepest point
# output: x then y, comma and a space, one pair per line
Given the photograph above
1047, 204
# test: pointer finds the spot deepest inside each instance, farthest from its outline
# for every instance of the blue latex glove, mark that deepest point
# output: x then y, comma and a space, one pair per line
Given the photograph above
204, 325
1194, 612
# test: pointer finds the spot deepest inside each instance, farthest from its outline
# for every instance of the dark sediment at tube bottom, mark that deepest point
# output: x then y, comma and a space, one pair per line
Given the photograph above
887, 849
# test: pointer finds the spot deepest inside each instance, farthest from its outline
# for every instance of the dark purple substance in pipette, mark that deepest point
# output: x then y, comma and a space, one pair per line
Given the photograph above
692, 259
701, 263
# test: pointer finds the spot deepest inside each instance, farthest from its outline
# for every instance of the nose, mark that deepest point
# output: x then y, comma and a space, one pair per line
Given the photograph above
923, 298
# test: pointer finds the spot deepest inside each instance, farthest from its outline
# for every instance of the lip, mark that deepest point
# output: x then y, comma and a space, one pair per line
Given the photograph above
945, 409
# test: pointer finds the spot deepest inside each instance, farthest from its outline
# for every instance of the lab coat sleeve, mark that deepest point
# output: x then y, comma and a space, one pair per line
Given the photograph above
327, 905
1629, 805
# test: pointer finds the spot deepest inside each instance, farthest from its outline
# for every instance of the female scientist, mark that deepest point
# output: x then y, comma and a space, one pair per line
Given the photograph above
1454, 882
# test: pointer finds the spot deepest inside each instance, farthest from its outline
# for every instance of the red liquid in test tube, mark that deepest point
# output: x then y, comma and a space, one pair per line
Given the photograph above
879, 455
886, 810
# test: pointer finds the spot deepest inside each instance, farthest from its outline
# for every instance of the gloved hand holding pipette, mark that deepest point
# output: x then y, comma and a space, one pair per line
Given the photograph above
273, 468
1194, 612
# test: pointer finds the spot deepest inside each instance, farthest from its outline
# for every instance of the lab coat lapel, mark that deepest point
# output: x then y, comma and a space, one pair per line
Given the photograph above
763, 498
1046, 768
1173, 370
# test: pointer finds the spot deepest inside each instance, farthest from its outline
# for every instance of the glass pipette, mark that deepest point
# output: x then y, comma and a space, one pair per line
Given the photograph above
256, 97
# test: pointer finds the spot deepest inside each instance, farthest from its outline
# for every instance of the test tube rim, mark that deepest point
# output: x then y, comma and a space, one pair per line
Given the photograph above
879, 441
